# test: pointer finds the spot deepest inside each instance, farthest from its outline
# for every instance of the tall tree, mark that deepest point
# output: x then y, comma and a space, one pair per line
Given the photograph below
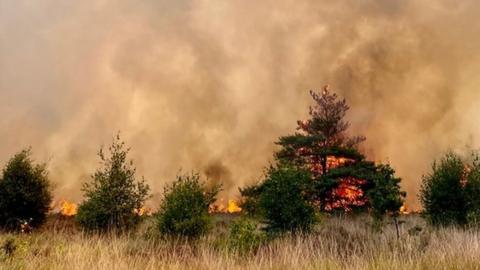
323, 147
342, 179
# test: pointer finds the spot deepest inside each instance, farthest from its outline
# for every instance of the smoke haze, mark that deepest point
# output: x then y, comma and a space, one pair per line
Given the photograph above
210, 85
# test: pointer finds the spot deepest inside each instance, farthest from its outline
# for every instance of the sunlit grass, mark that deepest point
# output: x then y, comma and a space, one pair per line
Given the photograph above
337, 243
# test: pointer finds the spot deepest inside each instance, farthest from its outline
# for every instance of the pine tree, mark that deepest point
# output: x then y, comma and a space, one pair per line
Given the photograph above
323, 147
342, 178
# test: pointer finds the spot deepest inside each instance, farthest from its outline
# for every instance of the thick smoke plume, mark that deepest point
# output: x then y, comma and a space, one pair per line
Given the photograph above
210, 85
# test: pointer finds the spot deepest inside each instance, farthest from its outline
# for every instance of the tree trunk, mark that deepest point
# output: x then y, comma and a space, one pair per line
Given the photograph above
396, 227
323, 161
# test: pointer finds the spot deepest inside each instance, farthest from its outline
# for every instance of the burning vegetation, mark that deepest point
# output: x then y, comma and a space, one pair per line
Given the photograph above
143, 211
340, 177
67, 208
70, 209
323, 147
347, 195
232, 207
319, 168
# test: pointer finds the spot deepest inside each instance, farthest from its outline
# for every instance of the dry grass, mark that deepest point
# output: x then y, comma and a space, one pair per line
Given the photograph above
338, 243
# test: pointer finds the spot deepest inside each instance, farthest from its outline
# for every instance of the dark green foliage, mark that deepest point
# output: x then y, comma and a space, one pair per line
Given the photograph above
385, 197
284, 201
25, 194
442, 194
250, 195
185, 205
472, 191
113, 194
341, 179
451, 193
321, 138
303, 150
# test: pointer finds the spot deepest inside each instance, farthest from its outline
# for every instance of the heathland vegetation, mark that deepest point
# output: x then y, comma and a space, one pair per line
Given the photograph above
321, 204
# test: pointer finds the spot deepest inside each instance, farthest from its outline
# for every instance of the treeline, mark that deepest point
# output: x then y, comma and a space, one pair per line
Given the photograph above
317, 171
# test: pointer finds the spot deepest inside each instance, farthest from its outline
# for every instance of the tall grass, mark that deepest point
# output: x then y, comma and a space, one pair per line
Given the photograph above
338, 243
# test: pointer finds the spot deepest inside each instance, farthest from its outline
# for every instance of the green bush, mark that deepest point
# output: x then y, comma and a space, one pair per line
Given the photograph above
385, 196
113, 194
25, 195
283, 200
250, 199
442, 192
472, 191
184, 207
245, 236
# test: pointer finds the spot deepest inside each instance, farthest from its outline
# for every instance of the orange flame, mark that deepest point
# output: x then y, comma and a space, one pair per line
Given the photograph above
143, 211
404, 209
231, 207
67, 208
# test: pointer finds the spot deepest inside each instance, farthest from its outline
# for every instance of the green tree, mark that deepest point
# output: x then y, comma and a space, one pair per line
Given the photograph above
472, 190
284, 200
385, 196
25, 193
184, 207
323, 147
341, 177
250, 199
442, 192
113, 194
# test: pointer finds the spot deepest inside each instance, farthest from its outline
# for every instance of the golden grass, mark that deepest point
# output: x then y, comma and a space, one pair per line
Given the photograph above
338, 243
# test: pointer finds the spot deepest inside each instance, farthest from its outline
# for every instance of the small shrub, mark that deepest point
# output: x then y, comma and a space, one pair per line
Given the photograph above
283, 200
472, 192
184, 207
415, 230
9, 247
442, 194
25, 194
244, 236
385, 196
113, 194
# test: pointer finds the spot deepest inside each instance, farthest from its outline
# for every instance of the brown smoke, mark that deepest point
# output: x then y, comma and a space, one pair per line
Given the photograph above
210, 85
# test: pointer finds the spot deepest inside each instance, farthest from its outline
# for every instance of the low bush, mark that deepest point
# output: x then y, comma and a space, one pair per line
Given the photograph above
184, 208
443, 192
245, 236
283, 200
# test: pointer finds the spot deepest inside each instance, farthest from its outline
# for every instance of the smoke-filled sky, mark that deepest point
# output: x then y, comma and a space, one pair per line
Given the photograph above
210, 85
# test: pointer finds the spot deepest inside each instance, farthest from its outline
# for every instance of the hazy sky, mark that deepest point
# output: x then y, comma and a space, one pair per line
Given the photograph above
210, 85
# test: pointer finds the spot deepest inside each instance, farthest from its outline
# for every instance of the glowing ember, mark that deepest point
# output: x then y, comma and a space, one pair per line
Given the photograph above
348, 194
67, 208
466, 172
404, 209
334, 162
143, 211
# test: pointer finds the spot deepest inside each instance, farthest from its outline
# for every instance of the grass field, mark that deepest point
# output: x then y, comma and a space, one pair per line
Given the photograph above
337, 243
